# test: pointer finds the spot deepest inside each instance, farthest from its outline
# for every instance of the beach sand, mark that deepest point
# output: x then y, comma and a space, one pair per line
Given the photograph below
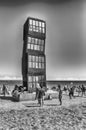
27, 115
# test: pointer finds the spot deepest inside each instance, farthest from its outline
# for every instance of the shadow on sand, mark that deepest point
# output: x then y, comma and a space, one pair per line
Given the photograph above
6, 97
37, 105
52, 105
31, 105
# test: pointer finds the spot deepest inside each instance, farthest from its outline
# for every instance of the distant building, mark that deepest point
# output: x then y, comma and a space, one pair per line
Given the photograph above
34, 59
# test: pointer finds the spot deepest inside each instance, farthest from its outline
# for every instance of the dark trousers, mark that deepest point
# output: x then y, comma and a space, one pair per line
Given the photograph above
71, 94
83, 93
60, 100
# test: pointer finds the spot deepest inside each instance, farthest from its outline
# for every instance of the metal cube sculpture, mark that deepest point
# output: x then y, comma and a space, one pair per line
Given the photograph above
34, 59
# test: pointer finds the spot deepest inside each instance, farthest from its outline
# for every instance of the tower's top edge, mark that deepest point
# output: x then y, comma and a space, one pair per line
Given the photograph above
36, 19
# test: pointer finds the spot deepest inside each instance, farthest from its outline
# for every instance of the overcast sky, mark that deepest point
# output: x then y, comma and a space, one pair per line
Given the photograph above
65, 37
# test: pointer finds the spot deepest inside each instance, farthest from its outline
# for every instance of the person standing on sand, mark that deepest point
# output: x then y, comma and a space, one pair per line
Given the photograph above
41, 93
65, 89
73, 87
79, 90
83, 90
60, 94
37, 90
71, 92
4, 90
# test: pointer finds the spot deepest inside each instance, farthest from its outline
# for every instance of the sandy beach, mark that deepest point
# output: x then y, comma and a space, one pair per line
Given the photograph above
27, 115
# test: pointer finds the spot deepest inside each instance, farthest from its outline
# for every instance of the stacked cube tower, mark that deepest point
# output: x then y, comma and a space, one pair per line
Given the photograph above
34, 59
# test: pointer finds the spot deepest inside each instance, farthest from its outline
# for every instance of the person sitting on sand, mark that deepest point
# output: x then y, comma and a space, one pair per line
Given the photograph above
15, 93
15, 88
21, 89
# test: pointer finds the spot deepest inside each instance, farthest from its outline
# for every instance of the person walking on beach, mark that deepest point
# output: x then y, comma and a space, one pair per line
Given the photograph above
60, 94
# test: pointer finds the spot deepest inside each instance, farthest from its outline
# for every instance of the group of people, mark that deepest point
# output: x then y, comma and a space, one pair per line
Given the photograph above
4, 90
40, 91
79, 89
